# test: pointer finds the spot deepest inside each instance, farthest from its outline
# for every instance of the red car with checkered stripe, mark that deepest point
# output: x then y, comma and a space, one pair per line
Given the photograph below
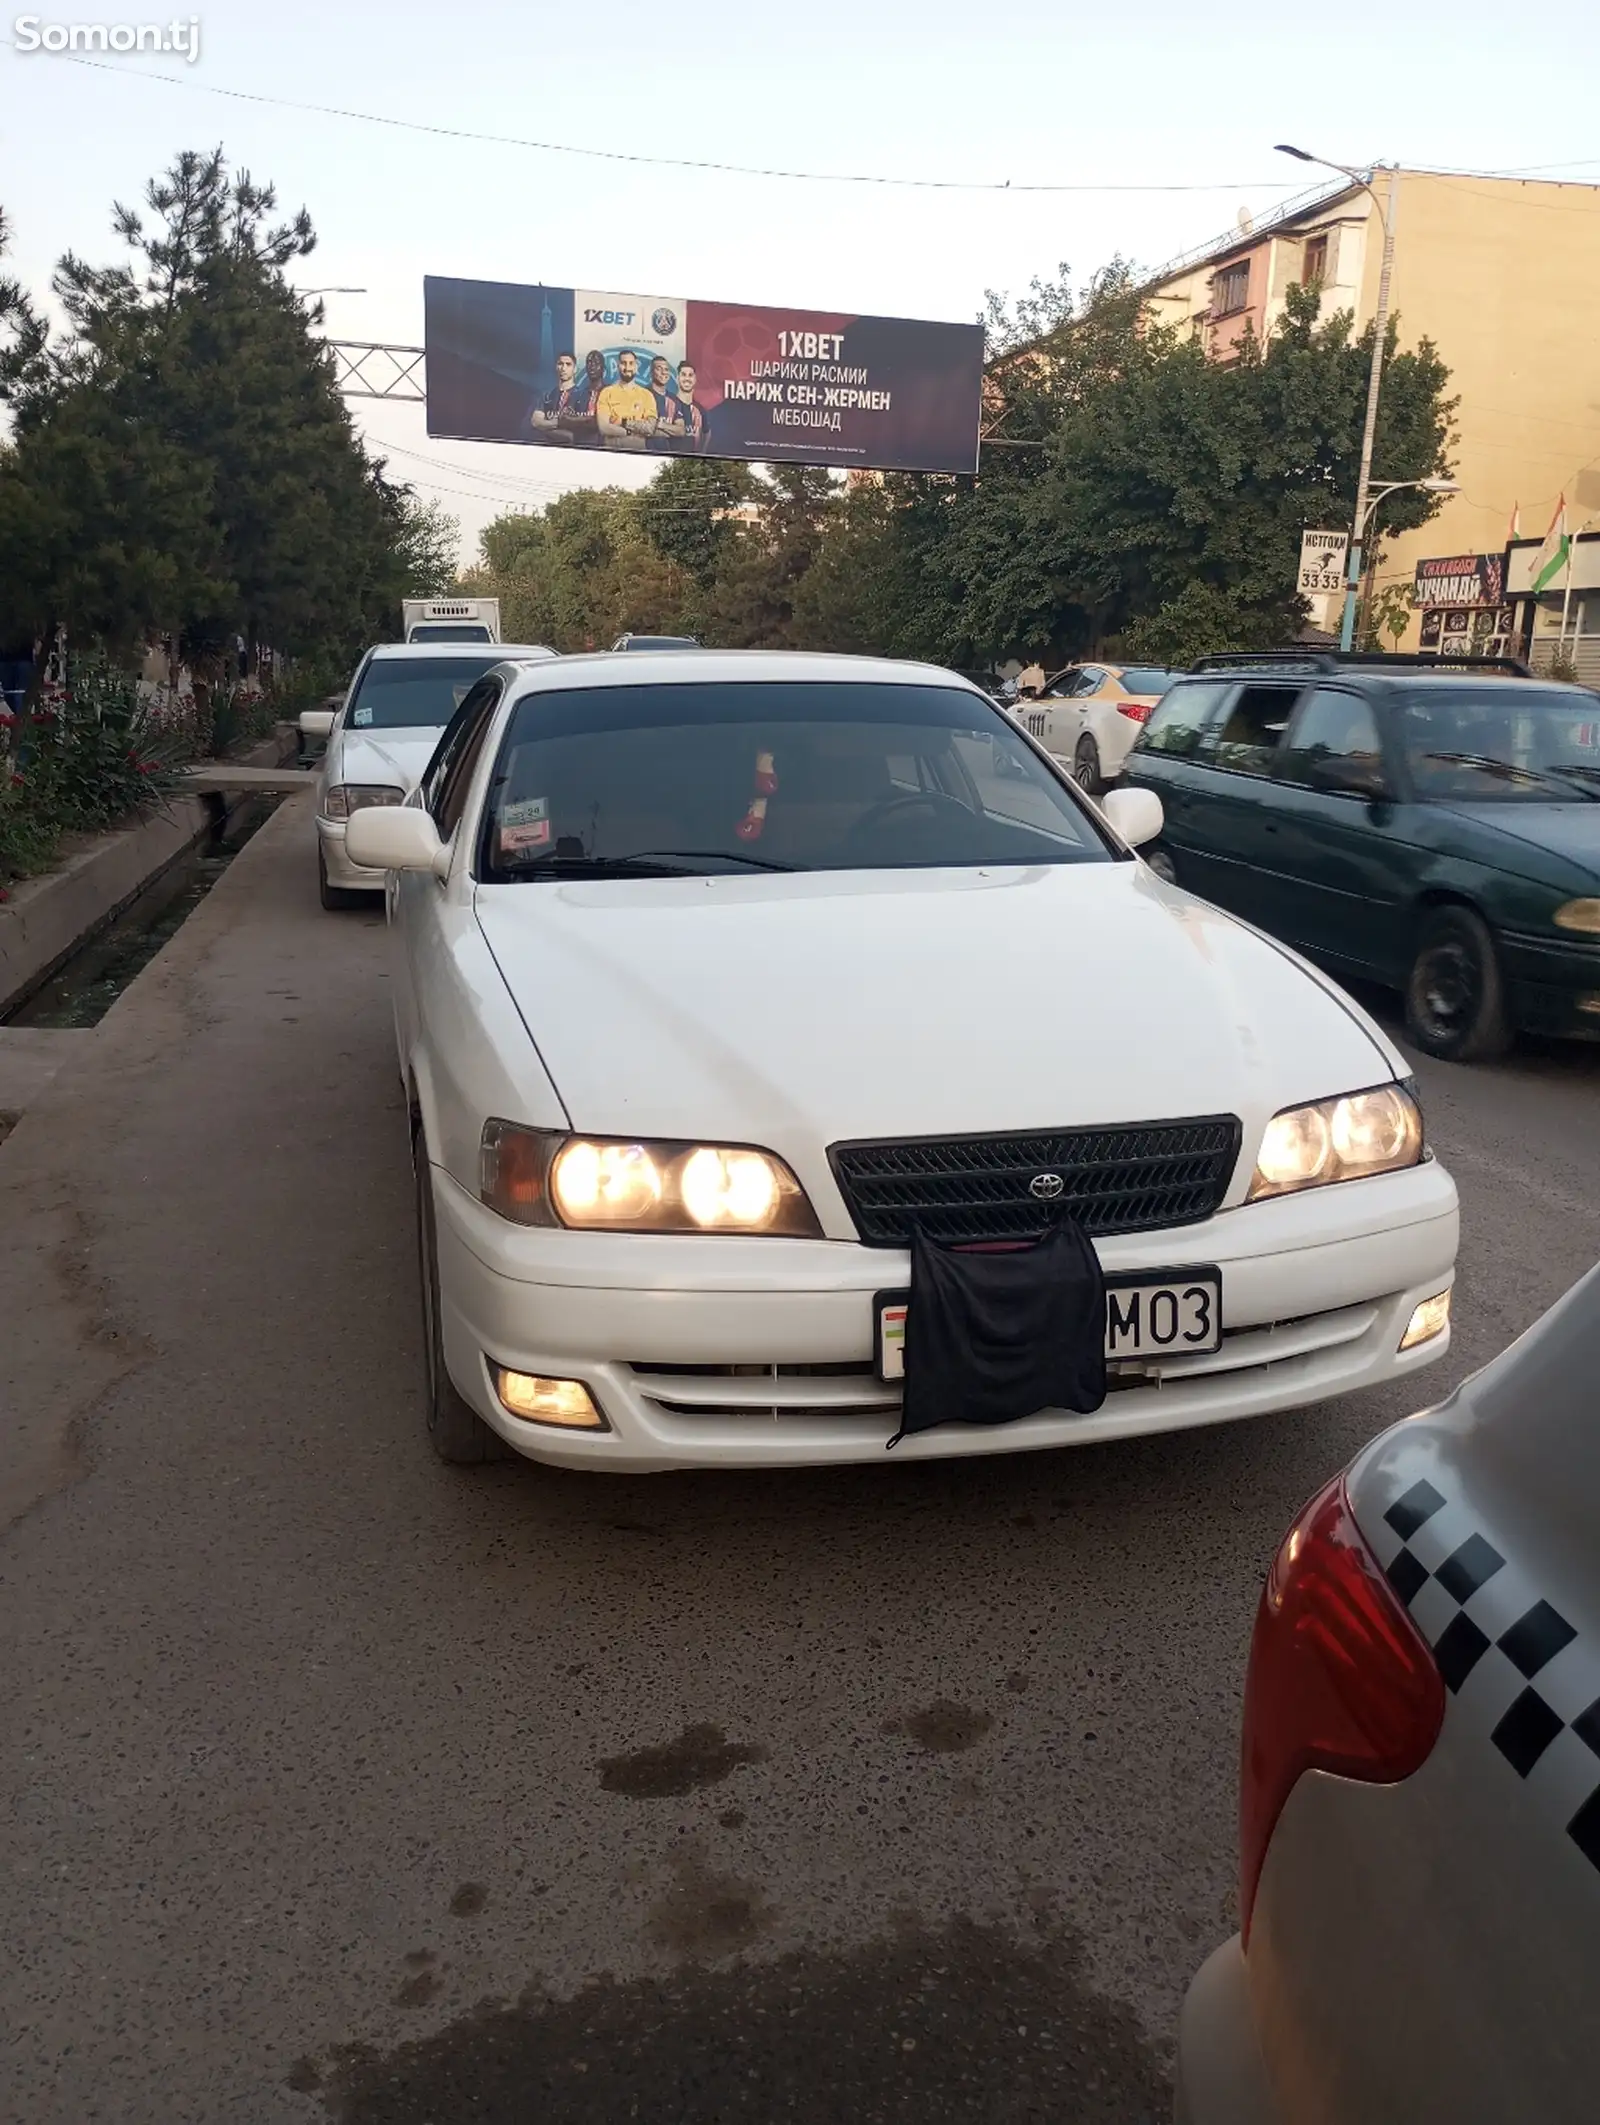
1420, 1782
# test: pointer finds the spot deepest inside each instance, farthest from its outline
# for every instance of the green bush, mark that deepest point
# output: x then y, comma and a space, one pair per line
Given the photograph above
83, 757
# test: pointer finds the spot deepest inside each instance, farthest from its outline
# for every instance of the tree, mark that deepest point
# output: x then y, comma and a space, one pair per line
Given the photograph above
183, 461
689, 512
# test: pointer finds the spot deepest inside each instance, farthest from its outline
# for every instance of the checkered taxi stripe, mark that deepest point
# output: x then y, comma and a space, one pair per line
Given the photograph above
1520, 1660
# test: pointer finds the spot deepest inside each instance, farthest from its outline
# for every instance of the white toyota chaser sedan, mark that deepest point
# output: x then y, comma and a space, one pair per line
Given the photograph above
382, 737
719, 975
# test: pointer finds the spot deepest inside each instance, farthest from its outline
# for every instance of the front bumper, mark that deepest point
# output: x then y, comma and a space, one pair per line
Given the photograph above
1555, 984
722, 1352
347, 876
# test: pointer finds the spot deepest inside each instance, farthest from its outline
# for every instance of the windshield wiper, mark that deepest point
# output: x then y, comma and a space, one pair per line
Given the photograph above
588, 867
644, 863
1508, 770
755, 863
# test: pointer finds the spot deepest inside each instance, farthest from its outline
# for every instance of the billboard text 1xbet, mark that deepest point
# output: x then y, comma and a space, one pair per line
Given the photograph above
587, 369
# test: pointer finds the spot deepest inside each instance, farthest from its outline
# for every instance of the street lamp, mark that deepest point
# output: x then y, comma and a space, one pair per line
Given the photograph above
1379, 489
1380, 325
330, 291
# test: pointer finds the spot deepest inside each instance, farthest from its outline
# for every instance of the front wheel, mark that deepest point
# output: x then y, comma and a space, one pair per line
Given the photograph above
335, 898
458, 1433
1455, 998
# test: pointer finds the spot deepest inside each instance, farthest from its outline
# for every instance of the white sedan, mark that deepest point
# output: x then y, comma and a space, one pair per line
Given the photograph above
381, 738
719, 975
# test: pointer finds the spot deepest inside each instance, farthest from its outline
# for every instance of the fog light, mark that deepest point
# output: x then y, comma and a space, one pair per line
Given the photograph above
540, 1401
1430, 1319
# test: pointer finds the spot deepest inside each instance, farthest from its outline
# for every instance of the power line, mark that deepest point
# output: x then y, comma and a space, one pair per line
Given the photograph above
663, 162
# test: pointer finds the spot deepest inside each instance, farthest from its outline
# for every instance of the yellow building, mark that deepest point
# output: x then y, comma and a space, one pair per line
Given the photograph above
1503, 275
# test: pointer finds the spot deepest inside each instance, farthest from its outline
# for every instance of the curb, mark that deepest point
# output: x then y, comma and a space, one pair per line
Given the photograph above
46, 919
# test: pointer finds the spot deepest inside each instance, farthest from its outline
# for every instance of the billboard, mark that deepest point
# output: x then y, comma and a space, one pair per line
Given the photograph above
594, 369
1468, 579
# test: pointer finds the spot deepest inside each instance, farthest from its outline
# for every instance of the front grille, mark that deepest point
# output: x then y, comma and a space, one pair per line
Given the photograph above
1121, 1179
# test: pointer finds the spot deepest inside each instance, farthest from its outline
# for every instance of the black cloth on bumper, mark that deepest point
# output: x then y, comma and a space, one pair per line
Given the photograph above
996, 1335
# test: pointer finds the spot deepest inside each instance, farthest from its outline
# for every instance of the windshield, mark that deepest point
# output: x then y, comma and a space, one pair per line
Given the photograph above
663, 780
1507, 743
1146, 679
419, 692
461, 631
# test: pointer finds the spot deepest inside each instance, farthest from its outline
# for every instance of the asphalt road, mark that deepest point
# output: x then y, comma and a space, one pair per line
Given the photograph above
338, 1785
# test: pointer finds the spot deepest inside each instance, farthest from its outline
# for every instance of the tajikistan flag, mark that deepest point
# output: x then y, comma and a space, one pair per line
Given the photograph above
1554, 554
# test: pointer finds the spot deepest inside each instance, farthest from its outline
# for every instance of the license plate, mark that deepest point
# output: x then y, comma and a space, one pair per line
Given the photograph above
1160, 1313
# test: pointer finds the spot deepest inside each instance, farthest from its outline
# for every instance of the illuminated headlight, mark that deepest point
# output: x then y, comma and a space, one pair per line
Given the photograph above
1428, 1320
347, 797
604, 1184
1338, 1140
1580, 915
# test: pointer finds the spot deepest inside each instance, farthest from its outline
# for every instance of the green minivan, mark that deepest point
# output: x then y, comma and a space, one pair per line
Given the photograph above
1434, 828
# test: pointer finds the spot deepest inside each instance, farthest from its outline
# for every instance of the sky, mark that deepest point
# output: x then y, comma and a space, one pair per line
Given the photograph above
1157, 122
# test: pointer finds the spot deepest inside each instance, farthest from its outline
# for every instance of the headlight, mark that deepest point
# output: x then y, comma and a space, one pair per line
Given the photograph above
604, 1184
347, 797
1338, 1140
1580, 915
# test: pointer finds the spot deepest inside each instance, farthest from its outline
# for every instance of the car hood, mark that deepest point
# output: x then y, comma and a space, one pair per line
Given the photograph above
393, 756
799, 1012
1569, 830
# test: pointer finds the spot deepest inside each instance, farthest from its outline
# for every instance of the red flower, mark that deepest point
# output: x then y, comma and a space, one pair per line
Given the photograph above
16, 781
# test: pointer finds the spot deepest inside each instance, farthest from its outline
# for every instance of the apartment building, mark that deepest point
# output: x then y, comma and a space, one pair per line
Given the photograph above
1503, 275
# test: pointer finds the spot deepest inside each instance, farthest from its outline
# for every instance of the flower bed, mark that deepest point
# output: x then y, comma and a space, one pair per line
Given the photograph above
100, 750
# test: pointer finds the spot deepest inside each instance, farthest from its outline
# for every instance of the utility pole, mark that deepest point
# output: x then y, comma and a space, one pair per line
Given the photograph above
1386, 212
1380, 327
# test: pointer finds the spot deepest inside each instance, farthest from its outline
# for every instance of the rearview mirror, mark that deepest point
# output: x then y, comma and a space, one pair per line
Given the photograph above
1135, 814
396, 837
316, 723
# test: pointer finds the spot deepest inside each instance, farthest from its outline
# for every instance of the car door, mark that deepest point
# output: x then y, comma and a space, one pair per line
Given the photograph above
1165, 759
1056, 718
1338, 860
421, 911
1233, 759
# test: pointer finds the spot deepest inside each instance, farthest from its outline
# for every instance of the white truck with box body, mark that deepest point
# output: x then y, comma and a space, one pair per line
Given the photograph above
450, 619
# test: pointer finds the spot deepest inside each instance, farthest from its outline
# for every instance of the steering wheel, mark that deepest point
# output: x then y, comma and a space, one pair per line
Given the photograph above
924, 800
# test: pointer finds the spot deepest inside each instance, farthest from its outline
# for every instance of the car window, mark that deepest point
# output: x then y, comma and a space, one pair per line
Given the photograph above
1089, 679
1181, 715
1146, 680
1503, 742
1332, 726
400, 693
1247, 737
734, 775
448, 793
462, 632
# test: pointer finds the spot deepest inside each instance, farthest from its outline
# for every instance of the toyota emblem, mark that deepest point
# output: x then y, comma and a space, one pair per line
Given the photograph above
1047, 1186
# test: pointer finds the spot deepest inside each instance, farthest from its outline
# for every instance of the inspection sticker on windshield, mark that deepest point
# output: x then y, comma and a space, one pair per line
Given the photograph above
361, 717
524, 812
514, 840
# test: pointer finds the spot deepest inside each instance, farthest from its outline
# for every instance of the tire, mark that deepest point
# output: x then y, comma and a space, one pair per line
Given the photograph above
1160, 861
335, 898
458, 1434
1086, 768
1455, 997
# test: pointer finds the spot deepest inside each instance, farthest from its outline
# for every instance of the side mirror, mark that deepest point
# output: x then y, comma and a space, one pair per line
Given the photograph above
1135, 814
316, 723
396, 837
